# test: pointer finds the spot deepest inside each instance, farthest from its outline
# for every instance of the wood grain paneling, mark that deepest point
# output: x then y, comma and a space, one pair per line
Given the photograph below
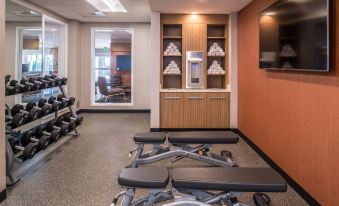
195, 36
217, 110
195, 110
292, 116
171, 110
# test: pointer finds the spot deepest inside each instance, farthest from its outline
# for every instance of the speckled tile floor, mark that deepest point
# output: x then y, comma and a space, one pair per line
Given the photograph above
84, 171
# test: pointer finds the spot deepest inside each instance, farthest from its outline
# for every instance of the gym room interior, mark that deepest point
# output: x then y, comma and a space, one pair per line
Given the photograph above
169, 102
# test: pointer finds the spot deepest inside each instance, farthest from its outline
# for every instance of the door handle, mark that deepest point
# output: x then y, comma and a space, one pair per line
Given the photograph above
172, 98
195, 98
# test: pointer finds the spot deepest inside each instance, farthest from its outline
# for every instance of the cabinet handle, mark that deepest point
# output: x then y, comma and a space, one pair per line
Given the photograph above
172, 98
217, 98
194, 97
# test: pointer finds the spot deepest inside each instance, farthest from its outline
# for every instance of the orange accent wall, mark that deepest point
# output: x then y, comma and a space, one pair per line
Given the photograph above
293, 117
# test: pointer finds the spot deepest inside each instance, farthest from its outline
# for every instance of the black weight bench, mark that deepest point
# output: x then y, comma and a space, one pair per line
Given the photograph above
180, 148
195, 184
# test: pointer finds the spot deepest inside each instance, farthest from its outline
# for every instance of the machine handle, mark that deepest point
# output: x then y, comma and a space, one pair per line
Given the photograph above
172, 98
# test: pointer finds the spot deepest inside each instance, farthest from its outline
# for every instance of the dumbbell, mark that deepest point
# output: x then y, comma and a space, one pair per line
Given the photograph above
16, 120
62, 81
43, 111
63, 130
33, 86
52, 100
22, 87
62, 120
28, 151
42, 84
48, 83
53, 135
52, 82
7, 79
9, 89
42, 142
78, 120
53, 107
70, 101
31, 115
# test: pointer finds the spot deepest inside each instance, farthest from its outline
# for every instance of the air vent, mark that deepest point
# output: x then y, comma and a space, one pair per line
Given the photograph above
27, 13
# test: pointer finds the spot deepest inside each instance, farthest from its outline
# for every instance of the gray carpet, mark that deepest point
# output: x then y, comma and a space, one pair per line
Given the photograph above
84, 172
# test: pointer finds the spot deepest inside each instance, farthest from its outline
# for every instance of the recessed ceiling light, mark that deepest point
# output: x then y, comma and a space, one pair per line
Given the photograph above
270, 13
98, 13
107, 5
104, 30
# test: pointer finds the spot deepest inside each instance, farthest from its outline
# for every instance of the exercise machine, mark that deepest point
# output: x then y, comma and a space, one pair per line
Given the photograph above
198, 186
180, 147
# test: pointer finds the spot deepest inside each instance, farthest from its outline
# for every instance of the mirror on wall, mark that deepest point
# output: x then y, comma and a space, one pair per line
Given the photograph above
35, 47
112, 72
23, 35
54, 51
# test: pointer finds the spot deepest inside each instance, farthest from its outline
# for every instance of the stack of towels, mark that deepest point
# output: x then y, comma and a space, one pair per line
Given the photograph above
172, 68
215, 68
172, 50
288, 51
216, 50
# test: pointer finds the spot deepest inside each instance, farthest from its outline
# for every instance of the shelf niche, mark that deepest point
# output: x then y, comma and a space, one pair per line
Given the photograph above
217, 33
171, 33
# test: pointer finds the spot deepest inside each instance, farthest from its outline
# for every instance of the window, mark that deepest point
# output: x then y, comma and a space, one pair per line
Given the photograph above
112, 72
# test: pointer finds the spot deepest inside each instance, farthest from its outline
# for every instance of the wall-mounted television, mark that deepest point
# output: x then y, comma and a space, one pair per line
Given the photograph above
294, 35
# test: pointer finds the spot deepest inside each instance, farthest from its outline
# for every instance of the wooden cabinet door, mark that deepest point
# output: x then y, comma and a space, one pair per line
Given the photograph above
217, 110
171, 110
194, 113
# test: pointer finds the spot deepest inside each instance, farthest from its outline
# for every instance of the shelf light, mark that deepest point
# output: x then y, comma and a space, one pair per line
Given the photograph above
107, 5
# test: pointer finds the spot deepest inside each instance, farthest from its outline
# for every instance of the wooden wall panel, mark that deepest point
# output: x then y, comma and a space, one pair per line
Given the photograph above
292, 116
195, 37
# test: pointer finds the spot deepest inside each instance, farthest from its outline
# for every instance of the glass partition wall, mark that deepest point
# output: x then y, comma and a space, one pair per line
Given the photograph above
112, 70
35, 46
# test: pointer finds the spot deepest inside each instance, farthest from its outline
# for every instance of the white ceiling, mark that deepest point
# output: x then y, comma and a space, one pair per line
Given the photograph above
138, 10
199, 6
16, 12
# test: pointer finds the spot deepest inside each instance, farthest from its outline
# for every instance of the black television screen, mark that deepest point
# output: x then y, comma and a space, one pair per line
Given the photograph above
294, 35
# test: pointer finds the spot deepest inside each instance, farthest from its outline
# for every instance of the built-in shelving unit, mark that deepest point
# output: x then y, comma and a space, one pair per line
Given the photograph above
171, 33
217, 33
181, 104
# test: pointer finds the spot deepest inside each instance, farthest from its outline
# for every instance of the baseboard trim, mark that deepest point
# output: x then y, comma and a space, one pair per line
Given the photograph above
190, 129
303, 193
113, 111
2, 195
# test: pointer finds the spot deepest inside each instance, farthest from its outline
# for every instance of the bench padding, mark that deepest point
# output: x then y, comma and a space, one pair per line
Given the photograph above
229, 179
203, 137
145, 177
150, 137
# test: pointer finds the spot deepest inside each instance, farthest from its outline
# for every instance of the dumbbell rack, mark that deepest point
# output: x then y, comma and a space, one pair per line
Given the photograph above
11, 157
